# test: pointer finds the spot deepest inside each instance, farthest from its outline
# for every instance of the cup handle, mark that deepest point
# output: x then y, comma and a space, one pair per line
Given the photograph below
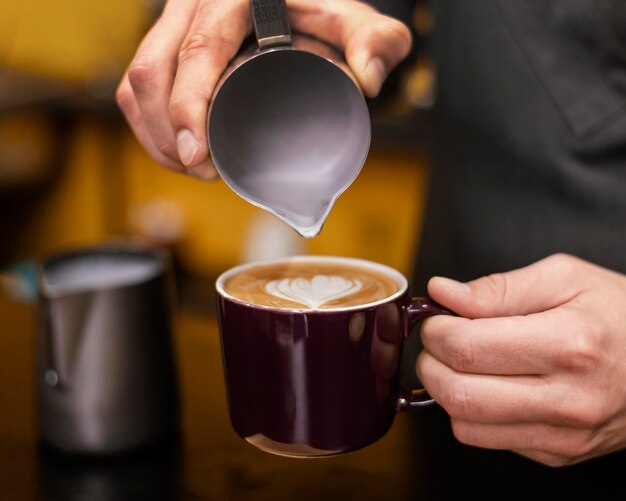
271, 23
418, 309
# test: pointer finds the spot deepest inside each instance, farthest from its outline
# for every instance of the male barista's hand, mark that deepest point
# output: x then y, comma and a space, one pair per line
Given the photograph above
166, 91
538, 366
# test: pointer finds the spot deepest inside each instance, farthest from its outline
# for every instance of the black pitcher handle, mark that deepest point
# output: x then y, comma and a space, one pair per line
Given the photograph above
271, 23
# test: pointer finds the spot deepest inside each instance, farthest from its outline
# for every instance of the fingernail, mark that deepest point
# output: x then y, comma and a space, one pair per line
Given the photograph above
376, 73
454, 286
187, 146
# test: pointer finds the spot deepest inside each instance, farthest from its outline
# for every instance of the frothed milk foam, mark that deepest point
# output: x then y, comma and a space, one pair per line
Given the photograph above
312, 284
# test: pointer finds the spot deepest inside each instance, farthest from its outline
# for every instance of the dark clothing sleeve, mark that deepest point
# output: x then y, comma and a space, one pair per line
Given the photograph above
400, 9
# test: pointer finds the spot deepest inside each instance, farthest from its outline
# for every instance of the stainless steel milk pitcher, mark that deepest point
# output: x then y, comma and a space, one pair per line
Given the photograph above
288, 127
106, 379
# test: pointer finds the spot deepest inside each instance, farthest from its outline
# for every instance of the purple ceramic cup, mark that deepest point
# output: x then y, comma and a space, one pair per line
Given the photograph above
311, 383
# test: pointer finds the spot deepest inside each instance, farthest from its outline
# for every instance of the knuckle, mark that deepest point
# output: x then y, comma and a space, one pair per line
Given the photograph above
572, 448
177, 106
400, 32
168, 149
391, 29
335, 21
565, 263
591, 418
579, 353
194, 44
200, 44
497, 286
463, 431
457, 402
550, 460
584, 416
142, 72
179, 110
563, 446
461, 351
419, 366
124, 96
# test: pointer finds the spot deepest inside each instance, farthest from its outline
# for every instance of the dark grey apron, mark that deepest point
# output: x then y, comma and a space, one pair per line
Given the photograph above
529, 158
530, 140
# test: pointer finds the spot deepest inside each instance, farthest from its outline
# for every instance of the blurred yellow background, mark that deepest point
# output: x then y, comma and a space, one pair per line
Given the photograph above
71, 172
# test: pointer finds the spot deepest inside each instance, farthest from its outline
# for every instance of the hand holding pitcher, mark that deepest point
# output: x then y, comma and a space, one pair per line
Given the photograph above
166, 91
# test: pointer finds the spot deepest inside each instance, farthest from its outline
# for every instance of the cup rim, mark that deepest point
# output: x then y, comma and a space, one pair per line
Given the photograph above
400, 279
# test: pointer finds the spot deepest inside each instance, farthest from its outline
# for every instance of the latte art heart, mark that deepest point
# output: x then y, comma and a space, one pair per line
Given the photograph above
314, 292
316, 284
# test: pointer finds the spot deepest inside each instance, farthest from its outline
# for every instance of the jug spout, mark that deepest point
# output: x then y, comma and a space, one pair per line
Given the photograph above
306, 225
302, 202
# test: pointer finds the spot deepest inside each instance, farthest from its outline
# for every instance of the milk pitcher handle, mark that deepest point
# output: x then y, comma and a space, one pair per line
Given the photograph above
418, 309
271, 23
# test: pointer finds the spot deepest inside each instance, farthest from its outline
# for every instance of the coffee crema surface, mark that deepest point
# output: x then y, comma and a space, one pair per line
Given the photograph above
310, 285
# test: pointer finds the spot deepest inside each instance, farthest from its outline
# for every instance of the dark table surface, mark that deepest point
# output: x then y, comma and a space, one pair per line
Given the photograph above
209, 461
418, 459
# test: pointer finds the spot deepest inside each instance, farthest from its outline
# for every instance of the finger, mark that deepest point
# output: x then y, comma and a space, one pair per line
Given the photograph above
151, 73
205, 171
541, 343
128, 104
556, 441
126, 100
546, 458
542, 285
580, 444
558, 460
506, 399
213, 40
373, 43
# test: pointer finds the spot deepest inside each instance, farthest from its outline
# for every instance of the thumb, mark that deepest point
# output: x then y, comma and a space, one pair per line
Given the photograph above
374, 49
372, 42
541, 286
